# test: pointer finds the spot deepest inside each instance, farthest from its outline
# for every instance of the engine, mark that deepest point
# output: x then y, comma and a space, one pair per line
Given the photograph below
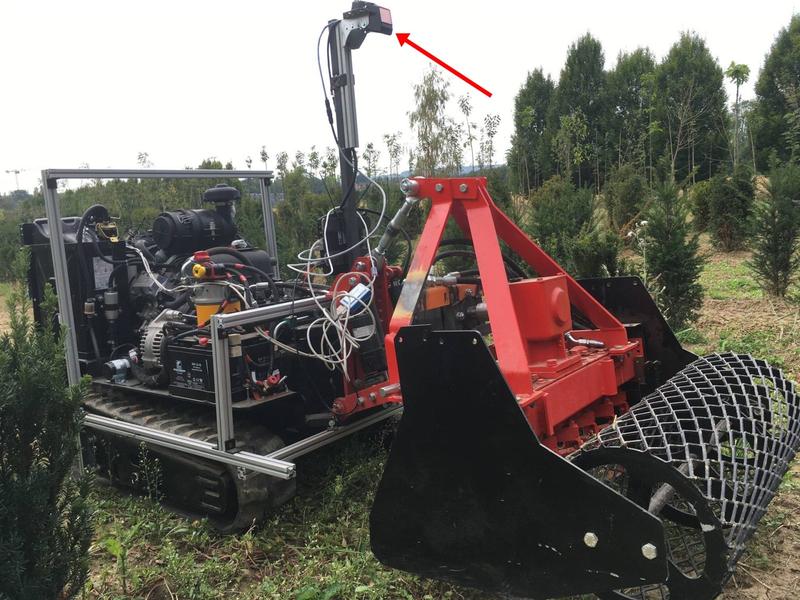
144, 303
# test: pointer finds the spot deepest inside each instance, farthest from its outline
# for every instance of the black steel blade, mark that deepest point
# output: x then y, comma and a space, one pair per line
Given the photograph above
469, 495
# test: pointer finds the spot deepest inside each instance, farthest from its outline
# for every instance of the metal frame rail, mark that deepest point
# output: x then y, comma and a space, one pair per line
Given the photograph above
275, 464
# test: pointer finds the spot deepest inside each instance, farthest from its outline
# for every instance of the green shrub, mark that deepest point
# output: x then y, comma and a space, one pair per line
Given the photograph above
560, 212
699, 197
730, 208
624, 195
671, 258
775, 260
45, 526
595, 253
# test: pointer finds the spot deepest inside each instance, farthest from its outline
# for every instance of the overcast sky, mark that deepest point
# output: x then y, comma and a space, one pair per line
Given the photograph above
99, 82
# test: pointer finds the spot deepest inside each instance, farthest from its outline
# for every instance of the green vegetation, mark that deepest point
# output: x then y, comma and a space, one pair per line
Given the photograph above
587, 152
317, 546
314, 548
776, 114
775, 259
45, 515
560, 211
730, 207
625, 196
728, 279
671, 258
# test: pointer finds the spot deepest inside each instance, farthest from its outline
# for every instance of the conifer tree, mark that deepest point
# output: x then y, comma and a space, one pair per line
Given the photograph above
776, 240
45, 527
672, 260
730, 208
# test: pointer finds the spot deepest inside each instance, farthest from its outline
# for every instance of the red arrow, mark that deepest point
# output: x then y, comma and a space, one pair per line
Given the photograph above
403, 39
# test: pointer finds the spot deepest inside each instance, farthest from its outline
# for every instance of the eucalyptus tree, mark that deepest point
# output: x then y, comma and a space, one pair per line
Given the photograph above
530, 162
738, 74
778, 94
429, 121
689, 105
582, 90
630, 96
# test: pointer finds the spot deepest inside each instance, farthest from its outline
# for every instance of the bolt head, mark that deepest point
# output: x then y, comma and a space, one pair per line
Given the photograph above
360, 266
649, 551
409, 187
352, 280
462, 188
590, 539
460, 316
438, 187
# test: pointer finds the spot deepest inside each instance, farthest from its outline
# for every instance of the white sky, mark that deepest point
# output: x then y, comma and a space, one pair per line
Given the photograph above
99, 81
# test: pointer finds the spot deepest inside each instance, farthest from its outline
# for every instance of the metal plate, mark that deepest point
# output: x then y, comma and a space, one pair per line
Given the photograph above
627, 299
470, 496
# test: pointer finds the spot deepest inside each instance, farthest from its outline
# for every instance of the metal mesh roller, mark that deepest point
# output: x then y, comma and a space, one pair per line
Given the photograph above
706, 452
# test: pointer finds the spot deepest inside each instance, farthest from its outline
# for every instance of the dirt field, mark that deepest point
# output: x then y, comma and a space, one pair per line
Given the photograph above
317, 547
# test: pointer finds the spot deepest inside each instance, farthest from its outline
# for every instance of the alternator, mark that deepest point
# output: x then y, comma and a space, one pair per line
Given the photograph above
153, 337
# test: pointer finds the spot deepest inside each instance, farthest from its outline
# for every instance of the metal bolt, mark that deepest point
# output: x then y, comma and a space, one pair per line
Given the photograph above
409, 187
360, 401
649, 551
438, 187
460, 316
360, 266
462, 188
352, 281
590, 539
373, 397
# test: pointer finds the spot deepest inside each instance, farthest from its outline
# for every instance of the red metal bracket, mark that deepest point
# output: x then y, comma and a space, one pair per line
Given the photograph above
528, 318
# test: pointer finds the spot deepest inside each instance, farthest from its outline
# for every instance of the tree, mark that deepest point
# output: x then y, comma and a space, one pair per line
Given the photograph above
530, 154
429, 122
630, 96
738, 74
394, 149
371, 156
45, 519
730, 206
700, 203
282, 162
671, 258
776, 240
143, 160
778, 93
560, 212
465, 105
264, 155
689, 105
624, 196
582, 90
490, 123
595, 253
570, 143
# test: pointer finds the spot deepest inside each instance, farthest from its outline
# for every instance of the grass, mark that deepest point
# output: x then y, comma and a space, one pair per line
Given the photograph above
727, 277
314, 548
317, 546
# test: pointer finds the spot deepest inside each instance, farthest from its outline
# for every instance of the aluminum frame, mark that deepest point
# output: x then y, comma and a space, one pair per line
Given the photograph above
50, 179
275, 464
